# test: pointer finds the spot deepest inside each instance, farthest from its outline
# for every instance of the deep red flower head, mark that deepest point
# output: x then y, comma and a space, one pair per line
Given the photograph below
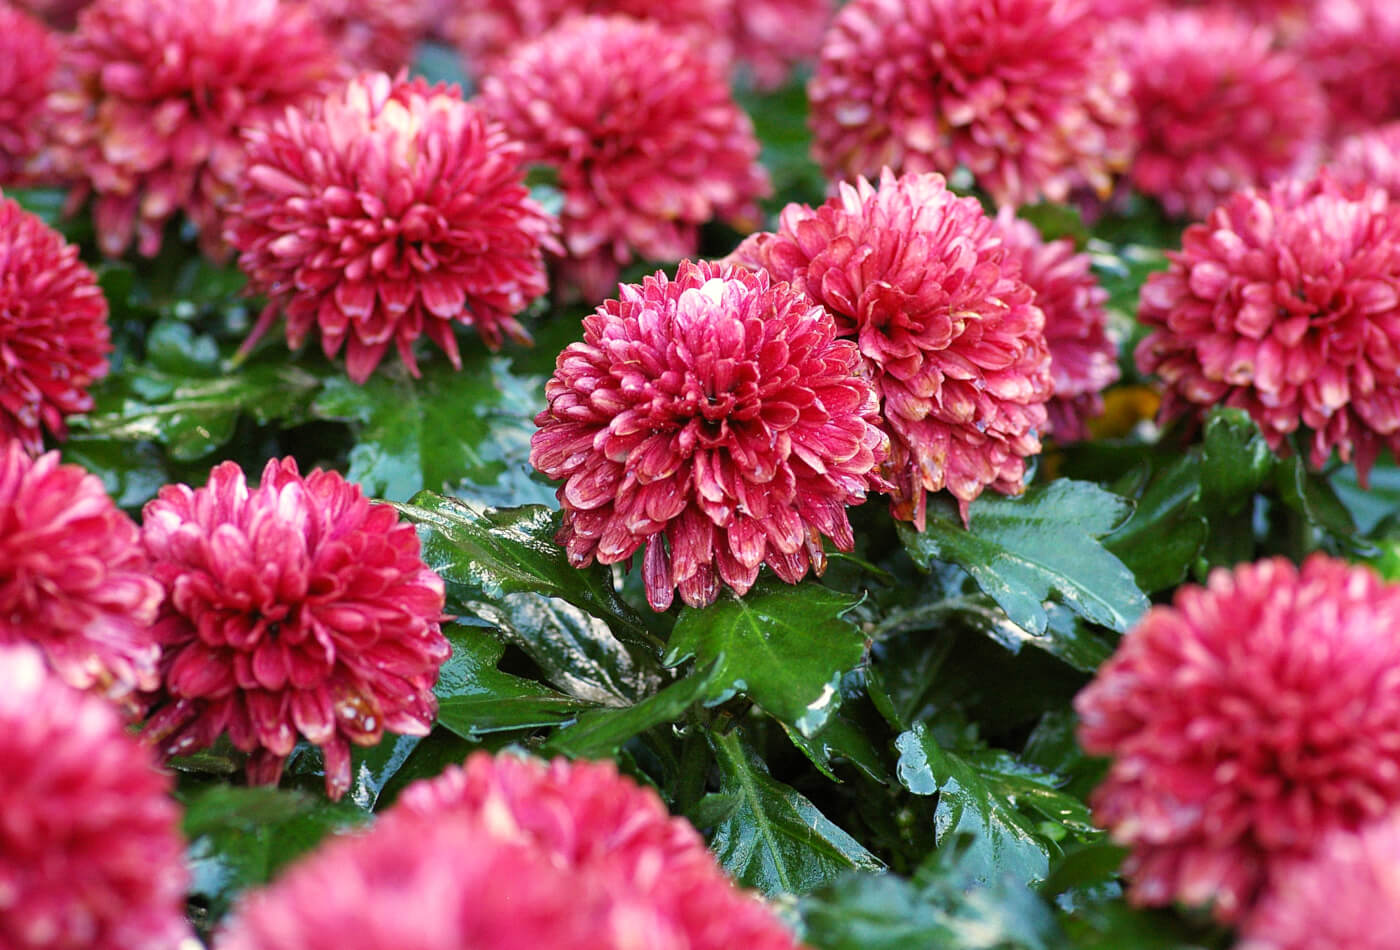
73, 576
1286, 303
90, 852
54, 337
296, 608
1244, 722
1349, 45
1370, 158
512, 854
648, 143
1219, 108
772, 36
27, 58
389, 210
151, 95
715, 420
1346, 896
950, 332
374, 34
1083, 359
1028, 95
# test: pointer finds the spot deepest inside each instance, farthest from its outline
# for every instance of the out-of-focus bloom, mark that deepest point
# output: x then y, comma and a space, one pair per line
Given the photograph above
150, 97
1346, 896
925, 283
54, 337
1219, 108
73, 577
390, 210
1083, 360
58, 13
1124, 9
1349, 45
374, 34
647, 142
1028, 95
772, 36
295, 608
1286, 303
90, 854
512, 855
1370, 158
27, 58
1245, 722
715, 420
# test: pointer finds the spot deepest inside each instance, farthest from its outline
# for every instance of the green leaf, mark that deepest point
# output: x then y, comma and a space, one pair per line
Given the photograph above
442, 430
131, 472
1235, 460
785, 647
1021, 551
1166, 531
475, 698
1313, 497
767, 835
1378, 502
599, 733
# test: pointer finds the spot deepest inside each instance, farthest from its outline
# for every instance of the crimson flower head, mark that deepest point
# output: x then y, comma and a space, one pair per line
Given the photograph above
374, 34
1083, 358
1349, 45
1345, 896
73, 576
151, 96
511, 854
715, 420
648, 144
1219, 108
772, 36
1028, 95
389, 210
1245, 722
27, 58
296, 608
1286, 303
1370, 158
926, 285
54, 337
90, 852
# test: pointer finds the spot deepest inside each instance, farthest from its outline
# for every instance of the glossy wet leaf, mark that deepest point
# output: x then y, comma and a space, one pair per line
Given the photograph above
1165, 534
1022, 551
785, 647
599, 733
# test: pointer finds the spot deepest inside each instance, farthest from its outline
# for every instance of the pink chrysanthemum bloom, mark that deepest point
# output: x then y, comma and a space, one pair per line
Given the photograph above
1083, 359
772, 36
373, 34
1219, 108
294, 608
512, 854
648, 144
924, 282
54, 337
1370, 158
1028, 95
151, 96
1346, 896
58, 13
1246, 721
27, 58
73, 576
390, 210
715, 420
1286, 303
90, 852
1349, 45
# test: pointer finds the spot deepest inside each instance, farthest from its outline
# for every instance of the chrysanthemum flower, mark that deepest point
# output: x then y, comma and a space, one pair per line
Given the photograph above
648, 143
152, 94
90, 854
374, 34
1286, 303
1028, 95
1370, 158
1244, 722
715, 420
54, 337
57, 13
27, 58
771, 36
1346, 896
295, 608
1219, 108
390, 210
514, 855
1349, 45
924, 282
73, 576
1083, 359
